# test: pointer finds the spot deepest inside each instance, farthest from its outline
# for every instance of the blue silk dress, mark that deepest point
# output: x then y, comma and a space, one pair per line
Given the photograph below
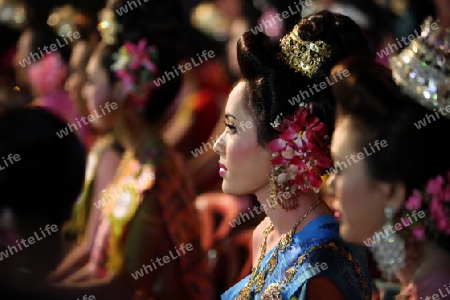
315, 250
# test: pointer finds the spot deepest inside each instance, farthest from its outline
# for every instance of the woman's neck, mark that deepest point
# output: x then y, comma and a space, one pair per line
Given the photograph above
434, 258
283, 220
131, 129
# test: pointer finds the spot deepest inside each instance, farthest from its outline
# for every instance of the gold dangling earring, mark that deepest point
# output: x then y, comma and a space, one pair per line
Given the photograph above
273, 191
389, 252
289, 203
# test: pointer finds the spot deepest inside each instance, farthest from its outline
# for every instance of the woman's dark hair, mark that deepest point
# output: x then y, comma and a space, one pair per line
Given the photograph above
272, 84
380, 19
42, 36
416, 149
37, 12
46, 176
160, 22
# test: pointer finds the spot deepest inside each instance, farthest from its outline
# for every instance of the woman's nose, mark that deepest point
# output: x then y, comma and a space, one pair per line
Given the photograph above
219, 145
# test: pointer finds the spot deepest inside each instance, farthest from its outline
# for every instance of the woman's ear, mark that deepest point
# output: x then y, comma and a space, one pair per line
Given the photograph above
395, 194
118, 93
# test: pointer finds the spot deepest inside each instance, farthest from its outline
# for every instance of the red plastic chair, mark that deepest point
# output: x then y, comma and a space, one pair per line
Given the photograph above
228, 248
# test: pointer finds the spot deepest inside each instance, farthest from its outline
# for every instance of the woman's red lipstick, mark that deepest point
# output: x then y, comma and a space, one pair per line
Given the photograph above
222, 169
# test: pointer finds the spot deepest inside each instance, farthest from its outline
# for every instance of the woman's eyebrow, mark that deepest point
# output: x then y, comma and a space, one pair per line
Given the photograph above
227, 116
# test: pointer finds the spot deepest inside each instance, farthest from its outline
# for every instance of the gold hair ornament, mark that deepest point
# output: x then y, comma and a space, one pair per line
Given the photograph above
303, 56
61, 19
422, 69
108, 26
13, 13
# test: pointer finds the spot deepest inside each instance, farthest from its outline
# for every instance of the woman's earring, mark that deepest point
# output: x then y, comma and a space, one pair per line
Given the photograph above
287, 203
273, 191
389, 251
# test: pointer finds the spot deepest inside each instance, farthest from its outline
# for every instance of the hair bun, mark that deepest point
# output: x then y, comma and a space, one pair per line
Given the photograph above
262, 54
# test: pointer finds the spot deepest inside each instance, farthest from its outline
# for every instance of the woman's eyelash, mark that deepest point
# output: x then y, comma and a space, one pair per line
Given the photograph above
230, 126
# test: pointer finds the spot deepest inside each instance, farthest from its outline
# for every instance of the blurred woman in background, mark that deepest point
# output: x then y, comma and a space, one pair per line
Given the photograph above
147, 213
104, 156
396, 200
44, 73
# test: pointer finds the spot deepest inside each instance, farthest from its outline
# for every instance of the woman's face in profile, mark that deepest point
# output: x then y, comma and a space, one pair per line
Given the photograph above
23, 51
244, 164
77, 77
98, 92
359, 199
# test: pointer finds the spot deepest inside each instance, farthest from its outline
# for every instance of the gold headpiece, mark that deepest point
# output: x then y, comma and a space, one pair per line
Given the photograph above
208, 19
61, 19
108, 26
303, 56
13, 13
422, 69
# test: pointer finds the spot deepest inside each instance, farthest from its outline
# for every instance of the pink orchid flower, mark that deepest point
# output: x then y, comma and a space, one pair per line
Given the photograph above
419, 232
136, 71
300, 150
434, 186
414, 202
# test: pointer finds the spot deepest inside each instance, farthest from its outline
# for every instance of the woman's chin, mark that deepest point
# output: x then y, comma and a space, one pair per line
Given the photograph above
348, 234
231, 189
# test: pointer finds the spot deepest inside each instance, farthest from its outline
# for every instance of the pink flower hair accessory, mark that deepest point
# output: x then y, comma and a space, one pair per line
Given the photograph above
434, 200
136, 68
300, 154
48, 74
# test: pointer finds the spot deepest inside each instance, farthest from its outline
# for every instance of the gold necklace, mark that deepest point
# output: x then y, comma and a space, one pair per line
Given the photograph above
258, 277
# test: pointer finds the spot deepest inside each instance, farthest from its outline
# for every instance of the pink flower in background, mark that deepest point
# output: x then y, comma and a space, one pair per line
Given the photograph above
48, 74
135, 67
443, 224
414, 202
435, 199
419, 232
434, 185
140, 55
446, 194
